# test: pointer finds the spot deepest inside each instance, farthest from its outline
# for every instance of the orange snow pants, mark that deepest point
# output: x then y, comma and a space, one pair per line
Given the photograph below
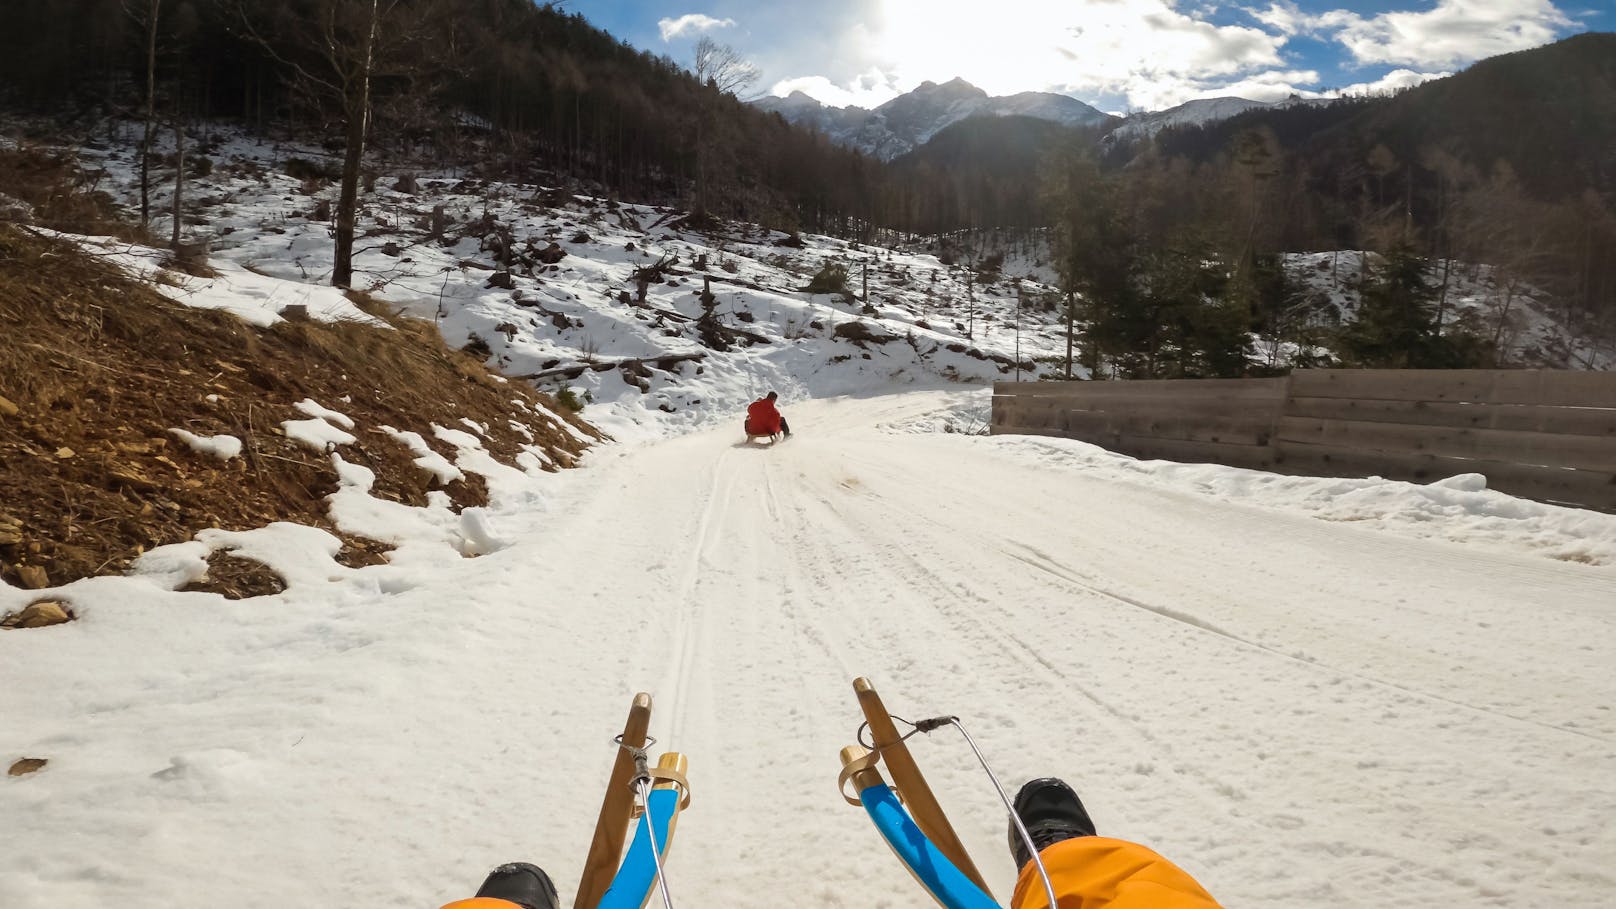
1096, 872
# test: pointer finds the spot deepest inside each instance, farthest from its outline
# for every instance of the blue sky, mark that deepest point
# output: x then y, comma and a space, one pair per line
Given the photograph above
1118, 55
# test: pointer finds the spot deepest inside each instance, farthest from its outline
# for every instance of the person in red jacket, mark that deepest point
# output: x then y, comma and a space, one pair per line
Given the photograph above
1090, 871
764, 419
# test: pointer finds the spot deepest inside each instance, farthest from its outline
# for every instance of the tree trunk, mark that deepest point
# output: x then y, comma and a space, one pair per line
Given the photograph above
701, 166
970, 305
348, 201
1408, 204
1071, 306
1442, 298
179, 178
1503, 318
357, 103
151, 113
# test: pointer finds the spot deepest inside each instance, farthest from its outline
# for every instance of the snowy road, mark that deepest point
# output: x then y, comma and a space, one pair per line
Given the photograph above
1300, 712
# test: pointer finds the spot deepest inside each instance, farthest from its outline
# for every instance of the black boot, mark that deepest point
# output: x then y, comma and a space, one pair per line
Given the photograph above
523, 884
1052, 812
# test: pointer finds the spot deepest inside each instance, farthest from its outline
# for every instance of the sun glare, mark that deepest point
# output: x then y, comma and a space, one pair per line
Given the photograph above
1087, 47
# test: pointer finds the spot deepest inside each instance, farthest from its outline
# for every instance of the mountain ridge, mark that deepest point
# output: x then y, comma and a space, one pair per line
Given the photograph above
1201, 111
910, 120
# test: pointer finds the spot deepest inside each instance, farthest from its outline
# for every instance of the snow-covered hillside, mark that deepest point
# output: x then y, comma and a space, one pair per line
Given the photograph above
547, 283
1478, 298
1521, 319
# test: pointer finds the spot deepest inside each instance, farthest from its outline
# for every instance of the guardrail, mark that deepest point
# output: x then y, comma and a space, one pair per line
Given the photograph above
1541, 434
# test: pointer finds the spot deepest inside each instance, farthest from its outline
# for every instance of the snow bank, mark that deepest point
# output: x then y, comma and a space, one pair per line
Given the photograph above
1457, 509
223, 447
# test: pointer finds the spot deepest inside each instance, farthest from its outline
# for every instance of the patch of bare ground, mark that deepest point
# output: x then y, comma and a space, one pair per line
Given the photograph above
61, 194
96, 368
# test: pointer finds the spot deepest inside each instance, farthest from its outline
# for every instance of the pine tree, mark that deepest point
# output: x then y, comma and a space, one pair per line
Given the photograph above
1396, 313
1397, 325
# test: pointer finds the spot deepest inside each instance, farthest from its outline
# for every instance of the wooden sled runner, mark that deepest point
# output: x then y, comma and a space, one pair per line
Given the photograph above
610, 880
920, 836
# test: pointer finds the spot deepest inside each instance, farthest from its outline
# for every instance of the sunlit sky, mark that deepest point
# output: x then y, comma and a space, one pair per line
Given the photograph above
1119, 55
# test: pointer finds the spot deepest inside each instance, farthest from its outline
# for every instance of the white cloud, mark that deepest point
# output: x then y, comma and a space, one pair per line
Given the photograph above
1267, 86
1274, 85
1151, 54
1393, 81
1277, 86
1453, 32
690, 22
869, 90
1127, 48
1285, 17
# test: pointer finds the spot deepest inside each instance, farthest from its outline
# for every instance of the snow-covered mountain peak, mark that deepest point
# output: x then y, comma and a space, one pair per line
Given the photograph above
1198, 112
911, 119
797, 98
955, 87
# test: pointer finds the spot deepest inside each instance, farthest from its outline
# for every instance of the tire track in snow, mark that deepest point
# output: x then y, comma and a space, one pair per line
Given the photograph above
836, 609
1045, 563
1218, 798
689, 626
845, 565
1037, 559
872, 536
901, 561
801, 588
945, 596
1225, 800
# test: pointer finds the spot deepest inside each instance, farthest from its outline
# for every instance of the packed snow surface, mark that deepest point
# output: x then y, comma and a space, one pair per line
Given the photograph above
1308, 692
223, 447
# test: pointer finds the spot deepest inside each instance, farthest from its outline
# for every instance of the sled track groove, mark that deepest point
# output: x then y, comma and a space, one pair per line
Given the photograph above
689, 628
1042, 562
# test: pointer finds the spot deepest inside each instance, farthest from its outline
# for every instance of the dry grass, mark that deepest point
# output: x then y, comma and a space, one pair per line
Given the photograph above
64, 196
100, 367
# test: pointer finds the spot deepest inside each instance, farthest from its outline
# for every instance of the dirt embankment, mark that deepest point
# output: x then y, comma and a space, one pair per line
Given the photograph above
97, 368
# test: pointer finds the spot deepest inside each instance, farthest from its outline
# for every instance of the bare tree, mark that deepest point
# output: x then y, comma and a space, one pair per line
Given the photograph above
147, 16
336, 50
1498, 223
1258, 157
722, 67
721, 70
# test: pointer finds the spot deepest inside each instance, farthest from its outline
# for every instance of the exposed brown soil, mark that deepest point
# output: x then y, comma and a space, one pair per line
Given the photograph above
97, 367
